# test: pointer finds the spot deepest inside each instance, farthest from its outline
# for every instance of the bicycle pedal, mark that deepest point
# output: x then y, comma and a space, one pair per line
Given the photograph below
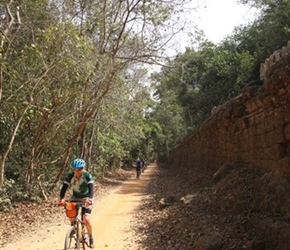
83, 241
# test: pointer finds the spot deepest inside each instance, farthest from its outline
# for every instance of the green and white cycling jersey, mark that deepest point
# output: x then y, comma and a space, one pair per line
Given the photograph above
79, 187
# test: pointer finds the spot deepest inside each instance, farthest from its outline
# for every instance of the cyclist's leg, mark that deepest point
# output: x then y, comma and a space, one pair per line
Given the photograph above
138, 170
86, 214
87, 220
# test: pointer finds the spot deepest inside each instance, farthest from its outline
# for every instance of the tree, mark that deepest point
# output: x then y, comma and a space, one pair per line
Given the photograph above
62, 63
268, 33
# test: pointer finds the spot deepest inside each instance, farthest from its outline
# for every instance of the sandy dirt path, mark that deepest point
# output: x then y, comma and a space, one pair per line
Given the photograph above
112, 217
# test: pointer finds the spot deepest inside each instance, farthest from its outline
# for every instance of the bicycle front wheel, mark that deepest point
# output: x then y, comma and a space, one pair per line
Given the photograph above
84, 241
71, 239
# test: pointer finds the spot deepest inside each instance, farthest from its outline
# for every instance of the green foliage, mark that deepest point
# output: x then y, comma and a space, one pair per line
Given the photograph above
73, 84
258, 3
209, 75
72, 87
11, 192
268, 33
199, 80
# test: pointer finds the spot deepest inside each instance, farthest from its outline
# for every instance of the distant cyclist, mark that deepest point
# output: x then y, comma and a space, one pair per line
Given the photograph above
138, 168
82, 184
142, 165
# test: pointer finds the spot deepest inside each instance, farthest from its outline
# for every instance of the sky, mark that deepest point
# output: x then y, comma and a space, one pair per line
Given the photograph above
217, 18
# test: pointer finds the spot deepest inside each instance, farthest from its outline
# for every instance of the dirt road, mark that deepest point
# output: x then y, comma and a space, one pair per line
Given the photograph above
112, 216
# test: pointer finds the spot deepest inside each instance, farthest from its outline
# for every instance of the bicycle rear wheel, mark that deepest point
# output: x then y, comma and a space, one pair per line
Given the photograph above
71, 239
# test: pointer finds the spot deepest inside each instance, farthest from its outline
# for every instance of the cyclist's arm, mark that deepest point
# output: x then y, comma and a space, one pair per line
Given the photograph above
91, 190
63, 190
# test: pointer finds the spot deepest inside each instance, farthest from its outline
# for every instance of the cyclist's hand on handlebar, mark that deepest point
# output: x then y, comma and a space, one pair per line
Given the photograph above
88, 202
61, 203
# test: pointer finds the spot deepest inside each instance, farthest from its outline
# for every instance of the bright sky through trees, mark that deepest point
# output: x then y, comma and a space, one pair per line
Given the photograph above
219, 17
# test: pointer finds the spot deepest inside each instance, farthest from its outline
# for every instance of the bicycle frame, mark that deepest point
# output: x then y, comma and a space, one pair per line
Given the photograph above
77, 233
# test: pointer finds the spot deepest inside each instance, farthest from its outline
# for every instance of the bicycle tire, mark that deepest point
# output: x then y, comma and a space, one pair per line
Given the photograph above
71, 239
78, 237
84, 243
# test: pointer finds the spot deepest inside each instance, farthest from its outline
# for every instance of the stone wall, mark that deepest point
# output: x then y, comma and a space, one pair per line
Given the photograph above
252, 129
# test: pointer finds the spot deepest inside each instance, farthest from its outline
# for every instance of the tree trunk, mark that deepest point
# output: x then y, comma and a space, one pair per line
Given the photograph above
3, 157
78, 133
1, 80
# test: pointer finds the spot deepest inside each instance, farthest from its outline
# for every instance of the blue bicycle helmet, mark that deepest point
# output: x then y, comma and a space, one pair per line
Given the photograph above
78, 163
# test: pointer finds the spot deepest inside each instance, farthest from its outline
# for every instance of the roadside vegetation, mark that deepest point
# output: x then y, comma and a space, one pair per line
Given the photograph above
74, 83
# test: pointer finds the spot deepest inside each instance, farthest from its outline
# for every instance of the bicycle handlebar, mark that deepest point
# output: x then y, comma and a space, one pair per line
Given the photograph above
78, 203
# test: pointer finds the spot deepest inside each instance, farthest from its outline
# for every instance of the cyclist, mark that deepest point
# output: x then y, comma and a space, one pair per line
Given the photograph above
138, 168
82, 184
143, 165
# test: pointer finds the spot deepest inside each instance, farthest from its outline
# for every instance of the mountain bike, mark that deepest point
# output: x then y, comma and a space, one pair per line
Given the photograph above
76, 237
